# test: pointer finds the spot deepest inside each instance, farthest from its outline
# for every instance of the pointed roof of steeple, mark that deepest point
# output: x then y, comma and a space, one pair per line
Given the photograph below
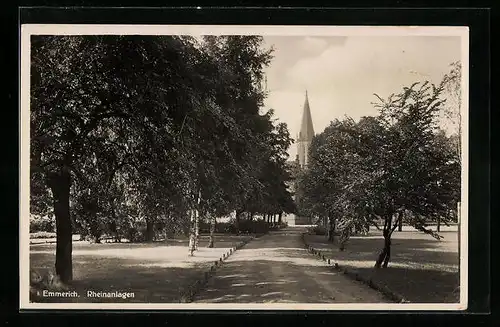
306, 127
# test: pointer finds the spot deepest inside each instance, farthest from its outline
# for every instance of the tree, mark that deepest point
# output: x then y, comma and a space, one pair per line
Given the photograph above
85, 91
397, 165
225, 136
452, 85
118, 145
330, 170
58, 128
419, 172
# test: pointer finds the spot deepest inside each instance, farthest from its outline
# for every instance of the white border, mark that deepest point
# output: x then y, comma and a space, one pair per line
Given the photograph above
196, 30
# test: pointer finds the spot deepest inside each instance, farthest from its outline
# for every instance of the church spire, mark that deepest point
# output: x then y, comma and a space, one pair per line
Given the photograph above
306, 128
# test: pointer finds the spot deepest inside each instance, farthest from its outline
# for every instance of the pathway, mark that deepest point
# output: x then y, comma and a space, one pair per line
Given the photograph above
277, 268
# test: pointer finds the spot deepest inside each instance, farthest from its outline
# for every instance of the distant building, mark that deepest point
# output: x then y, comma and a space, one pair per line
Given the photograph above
304, 139
305, 136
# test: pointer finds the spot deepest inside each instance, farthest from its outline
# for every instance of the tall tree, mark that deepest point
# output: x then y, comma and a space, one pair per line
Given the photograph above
384, 167
87, 87
452, 85
419, 173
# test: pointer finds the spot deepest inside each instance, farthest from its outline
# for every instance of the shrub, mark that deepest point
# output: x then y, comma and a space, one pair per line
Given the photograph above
225, 228
41, 224
246, 226
253, 226
204, 227
277, 225
318, 230
42, 235
220, 228
136, 234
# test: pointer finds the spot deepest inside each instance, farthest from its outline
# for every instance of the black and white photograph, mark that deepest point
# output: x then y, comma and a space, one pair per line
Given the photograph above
243, 167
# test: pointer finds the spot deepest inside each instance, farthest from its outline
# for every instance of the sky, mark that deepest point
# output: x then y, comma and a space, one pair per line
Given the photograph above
342, 73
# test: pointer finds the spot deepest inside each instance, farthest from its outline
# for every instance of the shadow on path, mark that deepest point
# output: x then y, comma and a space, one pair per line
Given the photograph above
276, 268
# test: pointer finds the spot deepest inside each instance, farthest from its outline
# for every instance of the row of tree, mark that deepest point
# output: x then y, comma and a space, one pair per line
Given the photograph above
160, 130
383, 170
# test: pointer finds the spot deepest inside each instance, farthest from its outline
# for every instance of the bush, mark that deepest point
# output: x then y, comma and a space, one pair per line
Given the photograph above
41, 224
220, 228
225, 228
204, 227
318, 230
136, 234
277, 225
42, 235
253, 226
246, 226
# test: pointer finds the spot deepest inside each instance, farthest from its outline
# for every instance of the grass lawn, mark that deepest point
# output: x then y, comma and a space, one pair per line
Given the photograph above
154, 272
422, 269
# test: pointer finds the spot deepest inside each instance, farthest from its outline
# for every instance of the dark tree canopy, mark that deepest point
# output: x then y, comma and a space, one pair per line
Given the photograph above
395, 166
128, 129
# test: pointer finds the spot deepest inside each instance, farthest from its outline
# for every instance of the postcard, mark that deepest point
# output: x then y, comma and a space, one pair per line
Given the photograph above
243, 167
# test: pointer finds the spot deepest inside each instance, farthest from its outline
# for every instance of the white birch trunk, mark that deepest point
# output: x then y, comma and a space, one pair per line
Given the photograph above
212, 231
196, 230
192, 236
195, 226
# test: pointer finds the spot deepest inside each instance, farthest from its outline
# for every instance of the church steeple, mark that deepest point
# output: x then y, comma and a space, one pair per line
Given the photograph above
306, 128
306, 134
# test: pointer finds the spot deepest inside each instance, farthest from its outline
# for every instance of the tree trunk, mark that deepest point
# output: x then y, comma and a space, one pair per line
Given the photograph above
438, 224
344, 237
331, 230
192, 236
150, 230
387, 245
385, 255
113, 225
60, 184
213, 222
197, 230
237, 222
251, 216
280, 217
95, 230
400, 225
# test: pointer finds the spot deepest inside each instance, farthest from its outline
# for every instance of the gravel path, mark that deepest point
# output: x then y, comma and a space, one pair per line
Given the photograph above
277, 268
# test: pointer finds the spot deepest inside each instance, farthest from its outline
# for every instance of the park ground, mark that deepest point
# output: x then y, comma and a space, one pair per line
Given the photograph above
277, 268
422, 269
154, 272
273, 268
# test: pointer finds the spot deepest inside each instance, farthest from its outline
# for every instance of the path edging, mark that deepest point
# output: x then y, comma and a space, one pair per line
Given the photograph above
188, 295
388, 293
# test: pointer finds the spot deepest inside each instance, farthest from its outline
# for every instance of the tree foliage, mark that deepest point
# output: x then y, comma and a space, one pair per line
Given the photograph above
146, 132
395, 166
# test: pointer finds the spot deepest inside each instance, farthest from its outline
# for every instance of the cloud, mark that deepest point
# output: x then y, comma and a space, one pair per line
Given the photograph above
377, 58
313, 44
350, 75
341, 78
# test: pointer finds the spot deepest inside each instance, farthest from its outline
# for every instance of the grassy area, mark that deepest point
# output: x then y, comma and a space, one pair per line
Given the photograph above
42, 235
422, 269
154, 272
